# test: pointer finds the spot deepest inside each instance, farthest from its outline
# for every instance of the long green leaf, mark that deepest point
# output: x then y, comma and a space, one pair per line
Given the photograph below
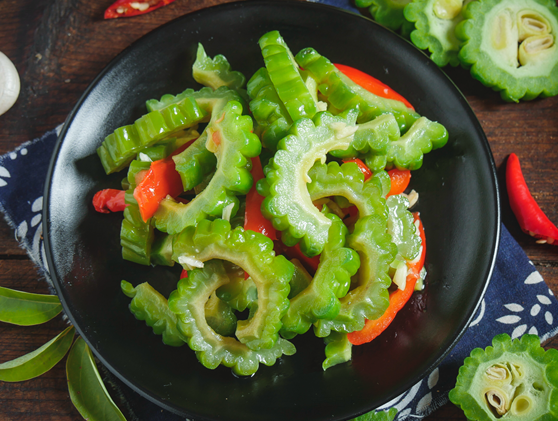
87, 390
39, 361
26, 309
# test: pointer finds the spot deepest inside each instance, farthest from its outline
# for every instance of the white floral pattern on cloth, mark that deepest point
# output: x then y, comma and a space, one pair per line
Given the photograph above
22, 177
517, 300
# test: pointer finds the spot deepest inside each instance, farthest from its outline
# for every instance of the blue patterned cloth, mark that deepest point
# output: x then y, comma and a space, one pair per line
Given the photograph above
517, 301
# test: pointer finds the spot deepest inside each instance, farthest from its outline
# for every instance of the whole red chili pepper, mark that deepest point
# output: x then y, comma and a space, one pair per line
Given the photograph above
127, 8
531, 218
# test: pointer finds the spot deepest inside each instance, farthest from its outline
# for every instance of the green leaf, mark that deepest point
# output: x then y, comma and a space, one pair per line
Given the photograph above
26, 309
87, 390
39, 361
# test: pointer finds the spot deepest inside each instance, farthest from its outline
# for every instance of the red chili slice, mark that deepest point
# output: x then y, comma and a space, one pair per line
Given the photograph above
127, 8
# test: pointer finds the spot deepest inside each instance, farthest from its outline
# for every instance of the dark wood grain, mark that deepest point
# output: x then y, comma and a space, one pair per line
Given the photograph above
59, 46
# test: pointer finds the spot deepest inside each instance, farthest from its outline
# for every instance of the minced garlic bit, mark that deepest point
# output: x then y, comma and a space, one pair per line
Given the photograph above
412, 197
144, 158
140, 6
227, 212
321, 106
121, 10
342, 130
189, 262
400, 277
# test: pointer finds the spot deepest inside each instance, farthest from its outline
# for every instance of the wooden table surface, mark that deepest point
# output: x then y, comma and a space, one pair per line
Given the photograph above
59, 46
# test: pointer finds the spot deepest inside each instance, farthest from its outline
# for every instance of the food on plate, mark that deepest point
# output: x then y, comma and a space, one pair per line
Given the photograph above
512, 379
278, 203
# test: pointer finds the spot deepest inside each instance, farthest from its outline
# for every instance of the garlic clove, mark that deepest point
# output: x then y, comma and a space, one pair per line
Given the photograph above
9, 84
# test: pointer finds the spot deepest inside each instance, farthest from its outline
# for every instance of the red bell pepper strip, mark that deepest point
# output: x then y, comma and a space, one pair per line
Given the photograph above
127, 8
399, 181
372, 84
253, 218
161, 180
109, 200
531, 218
362, 167
397, 299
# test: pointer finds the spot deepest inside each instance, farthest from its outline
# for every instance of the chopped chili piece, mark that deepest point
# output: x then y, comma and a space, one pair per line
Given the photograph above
161, 180
109, 200
399, 181
253, 218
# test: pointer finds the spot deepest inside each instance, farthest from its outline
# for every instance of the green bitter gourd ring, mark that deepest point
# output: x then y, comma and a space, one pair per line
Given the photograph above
196, 162
320, 299
212, 349
369, 299
287, 202
254, 253
510, 380
491, 33
232, 142
347, 181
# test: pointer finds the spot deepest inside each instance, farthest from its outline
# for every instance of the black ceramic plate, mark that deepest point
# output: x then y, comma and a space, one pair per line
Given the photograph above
458, 204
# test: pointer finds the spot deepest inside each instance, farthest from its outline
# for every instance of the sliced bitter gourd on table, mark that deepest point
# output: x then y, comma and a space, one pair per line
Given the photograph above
369, 298
320, 300
435, 22
188, 303
253, 252
511, 46
388, 13
149, 305
512, 380
215, 72
342, 94
287, 202
231, 139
